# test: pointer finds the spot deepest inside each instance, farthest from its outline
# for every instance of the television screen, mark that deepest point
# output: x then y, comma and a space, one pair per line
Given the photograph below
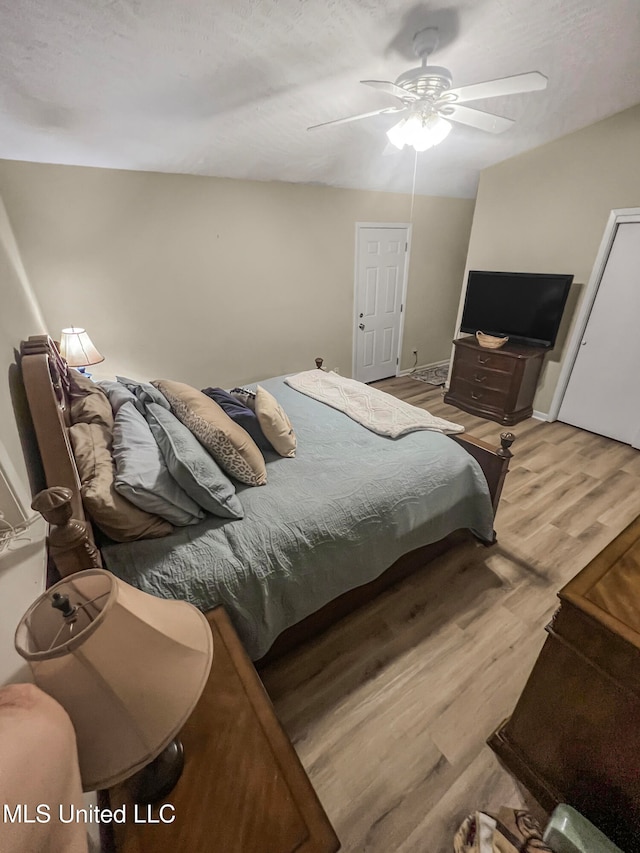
526, 306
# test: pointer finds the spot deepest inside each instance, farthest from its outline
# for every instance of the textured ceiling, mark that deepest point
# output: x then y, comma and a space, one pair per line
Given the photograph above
228, 87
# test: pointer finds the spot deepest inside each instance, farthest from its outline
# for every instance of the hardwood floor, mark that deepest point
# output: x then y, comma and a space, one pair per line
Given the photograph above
390, 709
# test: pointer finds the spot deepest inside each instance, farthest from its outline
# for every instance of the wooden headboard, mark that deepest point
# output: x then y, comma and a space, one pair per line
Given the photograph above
46, 380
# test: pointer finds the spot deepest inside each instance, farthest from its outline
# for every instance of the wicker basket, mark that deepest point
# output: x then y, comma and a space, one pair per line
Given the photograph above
490, 341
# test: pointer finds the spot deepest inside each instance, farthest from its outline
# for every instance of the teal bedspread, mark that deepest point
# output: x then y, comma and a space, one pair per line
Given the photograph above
334, 517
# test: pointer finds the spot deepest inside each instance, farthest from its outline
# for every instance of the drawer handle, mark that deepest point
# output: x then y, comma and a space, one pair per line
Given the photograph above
483, 360
475, 396
480, 378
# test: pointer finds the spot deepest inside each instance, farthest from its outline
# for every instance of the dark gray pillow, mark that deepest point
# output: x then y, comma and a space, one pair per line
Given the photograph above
241, 414
191, 466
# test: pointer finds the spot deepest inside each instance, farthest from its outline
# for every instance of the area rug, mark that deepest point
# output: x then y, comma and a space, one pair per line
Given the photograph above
432, 375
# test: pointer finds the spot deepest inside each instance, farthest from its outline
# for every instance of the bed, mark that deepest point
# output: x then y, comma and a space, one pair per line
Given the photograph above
352, 513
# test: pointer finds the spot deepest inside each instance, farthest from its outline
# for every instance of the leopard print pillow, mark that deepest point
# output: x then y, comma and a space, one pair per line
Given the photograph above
230, 445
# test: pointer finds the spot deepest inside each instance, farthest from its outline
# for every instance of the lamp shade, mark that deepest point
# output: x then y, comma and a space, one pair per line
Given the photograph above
77, 348
126, 666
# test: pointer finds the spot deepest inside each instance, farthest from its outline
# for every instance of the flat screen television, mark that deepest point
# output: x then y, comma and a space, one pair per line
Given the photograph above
526, 306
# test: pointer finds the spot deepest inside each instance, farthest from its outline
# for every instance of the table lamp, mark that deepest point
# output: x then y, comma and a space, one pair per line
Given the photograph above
77, 349
127, 667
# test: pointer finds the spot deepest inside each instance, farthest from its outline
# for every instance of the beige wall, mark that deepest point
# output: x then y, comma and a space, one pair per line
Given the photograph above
21, 570
546, 210
221, 281
20, 317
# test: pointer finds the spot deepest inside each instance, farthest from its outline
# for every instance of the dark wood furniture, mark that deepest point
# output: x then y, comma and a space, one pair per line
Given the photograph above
44, 374
574, 736
243, 789
498, 384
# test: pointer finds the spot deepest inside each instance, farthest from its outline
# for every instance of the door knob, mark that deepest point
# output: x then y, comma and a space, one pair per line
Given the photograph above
361, 326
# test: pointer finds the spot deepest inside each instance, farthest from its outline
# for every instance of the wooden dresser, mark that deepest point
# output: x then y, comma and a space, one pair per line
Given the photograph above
243, 789
574, 736
498, 384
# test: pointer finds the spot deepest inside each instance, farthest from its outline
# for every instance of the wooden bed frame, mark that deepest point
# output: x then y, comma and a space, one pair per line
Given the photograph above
71, 542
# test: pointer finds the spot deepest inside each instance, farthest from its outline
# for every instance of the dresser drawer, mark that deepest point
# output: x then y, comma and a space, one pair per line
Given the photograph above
485, 359
476, 394
482, 376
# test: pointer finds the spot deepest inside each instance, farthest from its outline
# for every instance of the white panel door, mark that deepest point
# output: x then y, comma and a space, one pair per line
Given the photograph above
603, 394
381, 257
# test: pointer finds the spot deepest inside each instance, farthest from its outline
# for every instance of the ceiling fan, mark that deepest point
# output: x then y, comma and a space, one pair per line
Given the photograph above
429, 102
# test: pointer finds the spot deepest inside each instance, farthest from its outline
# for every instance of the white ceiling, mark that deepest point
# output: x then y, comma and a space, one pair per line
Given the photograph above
228, 87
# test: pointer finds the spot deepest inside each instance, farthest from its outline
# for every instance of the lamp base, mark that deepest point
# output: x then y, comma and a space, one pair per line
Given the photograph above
158, 778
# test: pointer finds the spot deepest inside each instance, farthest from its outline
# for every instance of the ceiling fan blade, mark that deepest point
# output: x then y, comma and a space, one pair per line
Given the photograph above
391, 89
358, 117
532, 81
476, 118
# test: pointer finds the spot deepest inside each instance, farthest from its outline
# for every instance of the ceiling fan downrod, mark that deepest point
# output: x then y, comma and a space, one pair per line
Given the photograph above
425, 81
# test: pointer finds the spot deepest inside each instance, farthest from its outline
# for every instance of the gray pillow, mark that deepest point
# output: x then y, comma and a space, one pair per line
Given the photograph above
144, 392
117, 394
141, 473
190, 464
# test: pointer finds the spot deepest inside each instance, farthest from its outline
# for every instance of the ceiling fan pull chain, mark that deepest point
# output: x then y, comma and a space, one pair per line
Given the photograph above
413, 188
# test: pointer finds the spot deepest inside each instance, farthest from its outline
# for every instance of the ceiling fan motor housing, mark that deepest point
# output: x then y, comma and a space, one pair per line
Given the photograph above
426, 81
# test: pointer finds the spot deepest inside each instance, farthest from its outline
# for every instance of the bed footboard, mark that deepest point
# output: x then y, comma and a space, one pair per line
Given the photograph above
493, 461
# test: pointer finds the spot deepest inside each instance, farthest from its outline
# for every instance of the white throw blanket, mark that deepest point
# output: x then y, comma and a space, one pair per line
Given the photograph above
376, 410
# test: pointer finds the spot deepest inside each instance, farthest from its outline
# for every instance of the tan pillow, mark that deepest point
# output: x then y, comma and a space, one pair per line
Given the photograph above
89, 403
274, 422
231, 446
114, 515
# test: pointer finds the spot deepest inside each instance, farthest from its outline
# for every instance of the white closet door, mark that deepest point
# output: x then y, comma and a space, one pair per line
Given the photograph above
603, 394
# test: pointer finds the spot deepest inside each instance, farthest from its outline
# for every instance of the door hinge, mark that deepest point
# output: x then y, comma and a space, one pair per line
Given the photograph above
401, 307
398, 360
406, 246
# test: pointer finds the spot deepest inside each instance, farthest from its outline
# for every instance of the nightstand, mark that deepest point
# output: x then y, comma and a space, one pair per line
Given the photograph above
243, 788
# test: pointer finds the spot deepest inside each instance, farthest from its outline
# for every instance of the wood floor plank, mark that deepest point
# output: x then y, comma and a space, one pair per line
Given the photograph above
389, 710
633, 465
564, 491
482, 781
606, 494
471, 717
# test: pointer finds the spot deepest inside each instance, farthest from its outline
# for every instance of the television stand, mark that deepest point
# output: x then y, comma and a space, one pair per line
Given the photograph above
498, 384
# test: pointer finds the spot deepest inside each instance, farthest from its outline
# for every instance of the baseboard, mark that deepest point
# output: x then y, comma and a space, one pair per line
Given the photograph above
540, 416
422, 367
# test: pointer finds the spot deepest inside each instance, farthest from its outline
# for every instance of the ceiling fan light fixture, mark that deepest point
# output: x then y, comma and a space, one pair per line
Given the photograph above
432, 131
421, 132
396, 134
